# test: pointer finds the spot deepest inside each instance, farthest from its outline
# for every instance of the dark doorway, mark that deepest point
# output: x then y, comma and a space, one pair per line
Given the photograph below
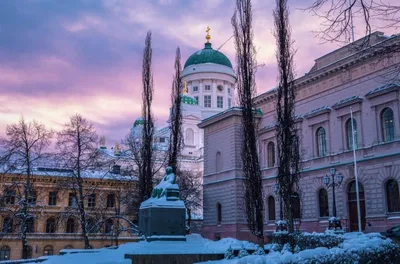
352, 200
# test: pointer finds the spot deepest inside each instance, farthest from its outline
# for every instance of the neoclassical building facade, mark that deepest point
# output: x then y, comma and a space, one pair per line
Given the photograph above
347, 79
54, 223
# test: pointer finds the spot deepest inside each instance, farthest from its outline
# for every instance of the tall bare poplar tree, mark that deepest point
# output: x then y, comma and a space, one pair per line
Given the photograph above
146, 148
77, 149
175, 139
24, 145
287, 139
246, 69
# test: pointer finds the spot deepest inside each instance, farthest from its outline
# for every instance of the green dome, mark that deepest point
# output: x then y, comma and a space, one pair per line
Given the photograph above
138, 122
208, 55
187, 99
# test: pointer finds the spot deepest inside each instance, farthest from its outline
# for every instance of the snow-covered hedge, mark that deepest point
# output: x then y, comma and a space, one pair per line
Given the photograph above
300, 241
388, 254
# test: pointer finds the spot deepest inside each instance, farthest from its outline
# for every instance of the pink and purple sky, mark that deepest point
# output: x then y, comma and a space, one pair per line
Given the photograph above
59, 57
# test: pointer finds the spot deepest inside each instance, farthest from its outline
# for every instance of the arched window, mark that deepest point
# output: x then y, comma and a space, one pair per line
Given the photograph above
189, 137
218, 162
387, 124
219, 213
70, 228
349, 133
48, 251
5, 253
392, 196
271, 208
91, 225
321, 142
30, 225
271, 154
109, 226
323, 203
51, 225
296, 206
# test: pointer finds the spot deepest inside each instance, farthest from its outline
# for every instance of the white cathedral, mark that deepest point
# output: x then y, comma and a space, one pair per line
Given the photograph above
209, 89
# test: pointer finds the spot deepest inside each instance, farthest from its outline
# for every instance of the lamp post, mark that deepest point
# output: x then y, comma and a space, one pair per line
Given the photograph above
335, 223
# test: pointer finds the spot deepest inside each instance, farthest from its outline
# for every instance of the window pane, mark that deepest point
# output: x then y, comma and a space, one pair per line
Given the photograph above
323, 203
52, 198
321, 142
207, 101
220, 102
392, 196
387, 125
271, 208
350, 134
271, 154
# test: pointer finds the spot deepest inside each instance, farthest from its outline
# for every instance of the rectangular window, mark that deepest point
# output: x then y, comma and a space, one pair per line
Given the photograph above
229, 102
220, 102
197, 99
195, 88
32, 197
229, 90
207, 101
72, 201
207, 88
110, 200
10, 197
52, 198
92, 200
162, 139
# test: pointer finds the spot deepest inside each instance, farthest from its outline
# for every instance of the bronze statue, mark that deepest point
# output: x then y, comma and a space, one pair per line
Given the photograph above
167, 181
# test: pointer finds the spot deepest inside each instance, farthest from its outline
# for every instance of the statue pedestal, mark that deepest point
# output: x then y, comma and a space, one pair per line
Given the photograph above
163, 219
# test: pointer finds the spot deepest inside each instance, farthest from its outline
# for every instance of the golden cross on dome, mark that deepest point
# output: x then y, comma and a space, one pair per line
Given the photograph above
185, 89
208, 37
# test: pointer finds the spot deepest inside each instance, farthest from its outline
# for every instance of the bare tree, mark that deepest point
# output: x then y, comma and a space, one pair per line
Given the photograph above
77, 149
286, 133
338, 15
175, 140
191, 191
246, 69
146, 160
23, 147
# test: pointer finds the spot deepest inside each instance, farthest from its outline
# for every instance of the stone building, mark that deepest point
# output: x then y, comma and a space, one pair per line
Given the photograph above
54, 224
344, 79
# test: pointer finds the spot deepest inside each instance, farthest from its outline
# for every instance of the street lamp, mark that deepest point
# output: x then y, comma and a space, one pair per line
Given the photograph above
333, 184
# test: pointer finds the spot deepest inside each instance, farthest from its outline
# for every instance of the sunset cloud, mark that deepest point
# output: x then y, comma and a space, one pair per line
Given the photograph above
59, 58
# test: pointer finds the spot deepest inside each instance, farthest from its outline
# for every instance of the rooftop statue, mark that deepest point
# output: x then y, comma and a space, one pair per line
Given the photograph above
167, 183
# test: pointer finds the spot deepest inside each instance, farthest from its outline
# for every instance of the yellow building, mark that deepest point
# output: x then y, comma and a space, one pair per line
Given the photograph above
55, 224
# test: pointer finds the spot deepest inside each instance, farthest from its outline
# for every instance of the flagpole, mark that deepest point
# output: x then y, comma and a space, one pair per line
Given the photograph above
351, 22
355, 170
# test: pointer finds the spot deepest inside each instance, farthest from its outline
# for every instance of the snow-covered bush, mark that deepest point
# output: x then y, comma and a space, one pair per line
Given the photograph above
302, 241
243, 252
387, 254
229, 253
259, 251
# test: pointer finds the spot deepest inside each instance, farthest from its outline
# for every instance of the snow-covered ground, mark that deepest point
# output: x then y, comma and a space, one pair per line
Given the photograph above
196, 244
